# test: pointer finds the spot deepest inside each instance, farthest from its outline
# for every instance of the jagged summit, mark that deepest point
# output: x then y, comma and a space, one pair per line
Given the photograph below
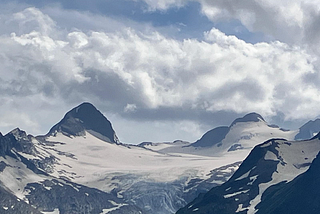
18, 133
85, 117
251, 117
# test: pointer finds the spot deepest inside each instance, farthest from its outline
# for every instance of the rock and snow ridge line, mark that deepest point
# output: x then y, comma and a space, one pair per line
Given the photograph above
173, 169
273, 163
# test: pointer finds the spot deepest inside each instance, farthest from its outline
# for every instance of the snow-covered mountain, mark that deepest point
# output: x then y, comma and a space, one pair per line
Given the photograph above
80, 166
235, 141
263, 182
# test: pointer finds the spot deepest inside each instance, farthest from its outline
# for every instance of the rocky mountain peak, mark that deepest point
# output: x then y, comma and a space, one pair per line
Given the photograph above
18, 134
85, 117
251, 117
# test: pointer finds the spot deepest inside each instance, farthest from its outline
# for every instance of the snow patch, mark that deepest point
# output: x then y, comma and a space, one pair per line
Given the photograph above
56, 211
236, 193
16, 176
270, 156
240, 208
243, 176
117, 206
252, 179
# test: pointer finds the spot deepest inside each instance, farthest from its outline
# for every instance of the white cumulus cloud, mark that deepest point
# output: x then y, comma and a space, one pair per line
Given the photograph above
49, 65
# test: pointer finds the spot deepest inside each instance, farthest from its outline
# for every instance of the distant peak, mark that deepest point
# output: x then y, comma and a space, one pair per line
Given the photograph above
85, 117
251, 117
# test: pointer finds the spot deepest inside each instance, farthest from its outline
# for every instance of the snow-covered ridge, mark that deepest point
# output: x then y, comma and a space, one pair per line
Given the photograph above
239, 140
153, 177
275, 162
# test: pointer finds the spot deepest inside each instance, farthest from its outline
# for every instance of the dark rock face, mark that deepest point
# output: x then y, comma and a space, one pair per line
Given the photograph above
17, 140
300, 196
71, 198
212, 137
21, 142
307, 130
3, 165
10, 204
5, 146
239, 189
85, 117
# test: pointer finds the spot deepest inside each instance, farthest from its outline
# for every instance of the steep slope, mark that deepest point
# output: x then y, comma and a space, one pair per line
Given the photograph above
300, 196
10, 204
308, 130
82, 118
25, 183
274, 162
212, 137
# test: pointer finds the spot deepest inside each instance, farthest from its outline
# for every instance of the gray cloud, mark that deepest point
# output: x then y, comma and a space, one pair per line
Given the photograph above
144, 76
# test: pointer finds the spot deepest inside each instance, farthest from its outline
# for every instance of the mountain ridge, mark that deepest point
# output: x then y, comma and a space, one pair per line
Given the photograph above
216, 135
148, 178
274, 163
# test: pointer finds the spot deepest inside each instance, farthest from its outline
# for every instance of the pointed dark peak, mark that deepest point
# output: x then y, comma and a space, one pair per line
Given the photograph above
85, 117
251, 117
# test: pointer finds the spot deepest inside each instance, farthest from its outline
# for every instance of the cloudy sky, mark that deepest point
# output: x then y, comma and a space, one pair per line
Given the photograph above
160, 70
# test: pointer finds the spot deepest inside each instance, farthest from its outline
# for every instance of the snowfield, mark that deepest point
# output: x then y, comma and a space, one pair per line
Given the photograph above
93, 159
159, 178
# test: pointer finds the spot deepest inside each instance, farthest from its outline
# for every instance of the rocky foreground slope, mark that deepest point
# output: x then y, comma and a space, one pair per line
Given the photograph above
279, 176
